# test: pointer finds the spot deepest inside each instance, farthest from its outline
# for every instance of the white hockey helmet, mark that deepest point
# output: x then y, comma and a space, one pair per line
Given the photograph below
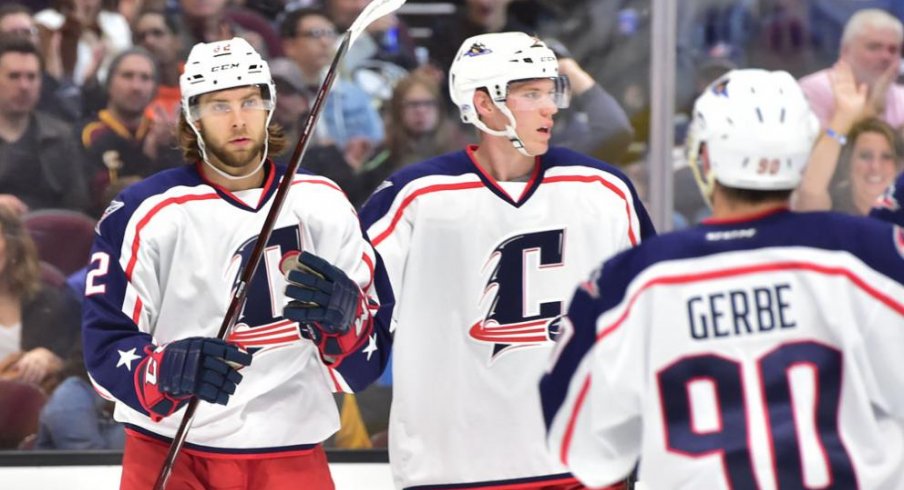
492, 61
758, 130
222, 65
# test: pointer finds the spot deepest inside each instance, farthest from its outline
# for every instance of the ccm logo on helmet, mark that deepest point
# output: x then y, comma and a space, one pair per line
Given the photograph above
225, 67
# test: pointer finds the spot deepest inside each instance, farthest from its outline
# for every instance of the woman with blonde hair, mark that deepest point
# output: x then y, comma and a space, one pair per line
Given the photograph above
38, 323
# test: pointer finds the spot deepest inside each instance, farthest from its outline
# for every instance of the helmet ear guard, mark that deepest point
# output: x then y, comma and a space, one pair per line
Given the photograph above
757, 130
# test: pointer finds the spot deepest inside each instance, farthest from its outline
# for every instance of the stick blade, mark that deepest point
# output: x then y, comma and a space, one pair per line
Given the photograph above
373, 11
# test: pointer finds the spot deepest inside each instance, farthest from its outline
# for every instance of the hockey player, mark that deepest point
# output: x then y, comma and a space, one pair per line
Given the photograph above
167, 255
759, 350
483, 248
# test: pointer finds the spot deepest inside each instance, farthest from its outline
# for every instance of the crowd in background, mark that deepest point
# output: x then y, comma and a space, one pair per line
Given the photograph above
90, 103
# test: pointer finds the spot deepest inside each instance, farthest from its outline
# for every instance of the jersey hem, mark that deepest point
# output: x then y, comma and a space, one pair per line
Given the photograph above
225, 453
513, 484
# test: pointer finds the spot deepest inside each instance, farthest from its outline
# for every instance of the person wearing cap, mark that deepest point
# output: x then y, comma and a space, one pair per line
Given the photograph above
483, 246
168, 258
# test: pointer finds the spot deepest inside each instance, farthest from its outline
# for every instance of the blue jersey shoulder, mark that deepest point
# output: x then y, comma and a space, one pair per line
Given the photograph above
871, 241
563, 157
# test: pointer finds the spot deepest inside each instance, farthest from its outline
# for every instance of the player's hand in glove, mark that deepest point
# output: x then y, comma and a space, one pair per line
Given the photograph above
196, 366
329, 307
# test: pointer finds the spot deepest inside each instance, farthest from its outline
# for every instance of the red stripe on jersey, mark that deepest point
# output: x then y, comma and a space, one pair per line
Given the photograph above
572, 421
136, 312
719, 274
136, 243
608, 185
319, 182
370, 268
414, 195
551, 484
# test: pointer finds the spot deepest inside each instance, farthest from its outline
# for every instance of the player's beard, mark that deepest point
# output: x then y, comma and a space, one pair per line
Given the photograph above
238, 160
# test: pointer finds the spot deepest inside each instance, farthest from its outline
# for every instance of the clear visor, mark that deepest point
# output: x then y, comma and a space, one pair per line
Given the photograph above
539, 93
222, 108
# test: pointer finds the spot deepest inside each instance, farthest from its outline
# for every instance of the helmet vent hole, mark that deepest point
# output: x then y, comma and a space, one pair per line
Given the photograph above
746, 161
759, 114
782, 117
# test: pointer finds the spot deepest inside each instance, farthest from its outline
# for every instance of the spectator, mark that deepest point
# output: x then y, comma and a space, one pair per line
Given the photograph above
75, 417
122, 140
322, 156
594, 122
472, 18
871, 46
91, 37
385, 40
611, 41
38, 323
158, 33
855, 160
309, 39
214, 20
40, 165
58, 97
418, 128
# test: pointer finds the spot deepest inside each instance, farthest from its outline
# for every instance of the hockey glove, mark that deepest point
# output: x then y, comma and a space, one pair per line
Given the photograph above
329, 307
196, 366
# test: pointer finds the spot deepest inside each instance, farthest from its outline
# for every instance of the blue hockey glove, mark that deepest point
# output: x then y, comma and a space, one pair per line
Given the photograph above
196, 366
328, 306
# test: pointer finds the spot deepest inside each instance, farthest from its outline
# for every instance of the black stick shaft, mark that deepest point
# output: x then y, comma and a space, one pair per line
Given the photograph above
241, 290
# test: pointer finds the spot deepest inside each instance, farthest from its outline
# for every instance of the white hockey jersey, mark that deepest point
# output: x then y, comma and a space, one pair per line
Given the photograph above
481, 272
761, 355
167, 255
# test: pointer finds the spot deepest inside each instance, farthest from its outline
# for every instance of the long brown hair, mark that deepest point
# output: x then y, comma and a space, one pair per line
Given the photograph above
840, 187
21, 273
398, 140
188, 140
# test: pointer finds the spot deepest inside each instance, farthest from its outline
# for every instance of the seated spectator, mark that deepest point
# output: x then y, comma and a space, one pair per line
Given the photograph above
91, 37
214, 20
309, 39
855, 159
75, 417
871, 46
158, 33
40, 164
418, 128
387, 39
59, 97
472, 18
594, 123
322, 156
38, 323
123, 140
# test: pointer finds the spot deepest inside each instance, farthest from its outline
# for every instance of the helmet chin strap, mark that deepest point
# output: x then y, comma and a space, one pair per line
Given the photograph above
508, 132
204, 158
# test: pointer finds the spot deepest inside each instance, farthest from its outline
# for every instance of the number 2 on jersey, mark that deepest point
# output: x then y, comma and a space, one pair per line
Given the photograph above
792, 445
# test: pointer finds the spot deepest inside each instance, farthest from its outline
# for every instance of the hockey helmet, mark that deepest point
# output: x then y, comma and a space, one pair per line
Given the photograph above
222, 65
758, 130
492, 61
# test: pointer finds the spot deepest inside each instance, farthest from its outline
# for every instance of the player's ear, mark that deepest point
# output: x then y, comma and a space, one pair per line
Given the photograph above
483, 103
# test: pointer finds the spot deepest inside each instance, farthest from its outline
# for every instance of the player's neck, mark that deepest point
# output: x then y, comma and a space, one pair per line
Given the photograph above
499, 159
252, 181
729, 210
12, 128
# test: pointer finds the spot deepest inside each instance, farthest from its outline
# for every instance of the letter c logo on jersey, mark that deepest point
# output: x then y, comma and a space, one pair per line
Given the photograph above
520, 308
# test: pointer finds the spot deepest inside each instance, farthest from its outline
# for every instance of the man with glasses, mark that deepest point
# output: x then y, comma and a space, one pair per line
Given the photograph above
483, 248
349, 119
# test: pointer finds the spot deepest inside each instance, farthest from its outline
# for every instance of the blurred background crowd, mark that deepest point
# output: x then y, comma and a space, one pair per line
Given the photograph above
89, 100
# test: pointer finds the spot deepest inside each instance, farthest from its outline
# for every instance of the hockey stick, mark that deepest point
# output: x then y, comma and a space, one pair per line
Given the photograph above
373, 11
